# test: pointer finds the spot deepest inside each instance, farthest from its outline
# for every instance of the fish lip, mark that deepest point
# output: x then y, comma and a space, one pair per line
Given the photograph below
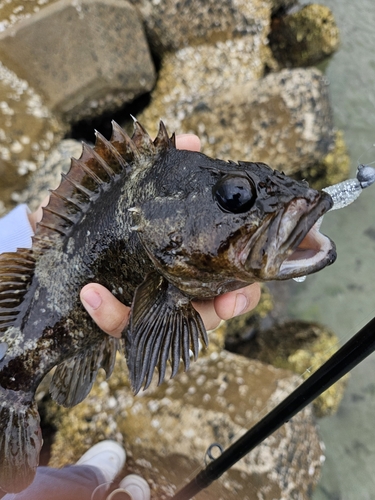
308, 250
308, 261
297, 248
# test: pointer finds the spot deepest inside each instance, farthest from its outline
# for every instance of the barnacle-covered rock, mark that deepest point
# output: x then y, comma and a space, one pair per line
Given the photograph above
283, 4
333, 168
301, 347
48, 175
27, 131
167, 430
284, 119
304, 37
84, 57
194, 80
13, 11
172, 24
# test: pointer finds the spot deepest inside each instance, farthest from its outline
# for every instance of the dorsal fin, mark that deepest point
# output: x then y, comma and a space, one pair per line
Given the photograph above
162, 140
16, 272
93, 172
141, 139
122, 142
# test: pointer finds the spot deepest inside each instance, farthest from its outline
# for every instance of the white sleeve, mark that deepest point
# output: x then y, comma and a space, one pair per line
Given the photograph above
15, 230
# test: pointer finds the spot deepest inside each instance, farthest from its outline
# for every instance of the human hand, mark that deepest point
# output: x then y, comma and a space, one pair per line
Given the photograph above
112, 316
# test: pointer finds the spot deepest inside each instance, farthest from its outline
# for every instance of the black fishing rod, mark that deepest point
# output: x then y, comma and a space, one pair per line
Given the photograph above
361, 345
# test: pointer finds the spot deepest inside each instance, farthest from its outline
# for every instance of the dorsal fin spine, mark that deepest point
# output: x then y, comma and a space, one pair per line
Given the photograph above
162, 140
51, 228
172, 140
87, 169
78, 186
65, 199
96, 164
94, 172
53, 212
102, 141
103, 163
142, 140
119, 135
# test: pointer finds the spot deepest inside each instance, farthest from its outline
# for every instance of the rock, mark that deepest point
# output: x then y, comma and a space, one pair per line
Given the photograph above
172, 25
48, 176
333, 168
13, 11
304, 37
191, 78
167, 430
211, 65
84, 57
284, 5
301, 347
27, 131
284, 119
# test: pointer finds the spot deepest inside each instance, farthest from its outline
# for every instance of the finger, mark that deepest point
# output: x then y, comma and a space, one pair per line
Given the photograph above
190, 142
238, 302
228, 305
108, 313
207, 312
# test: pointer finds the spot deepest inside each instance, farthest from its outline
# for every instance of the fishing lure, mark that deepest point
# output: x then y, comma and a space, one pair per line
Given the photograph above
344, 193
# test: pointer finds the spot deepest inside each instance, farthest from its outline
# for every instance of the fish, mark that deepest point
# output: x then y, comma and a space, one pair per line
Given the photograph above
159, 227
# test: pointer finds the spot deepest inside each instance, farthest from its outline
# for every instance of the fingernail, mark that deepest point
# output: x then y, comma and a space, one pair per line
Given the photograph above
241, 304
91, 298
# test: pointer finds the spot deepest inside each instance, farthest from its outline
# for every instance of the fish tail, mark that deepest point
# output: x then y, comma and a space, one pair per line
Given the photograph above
20, 439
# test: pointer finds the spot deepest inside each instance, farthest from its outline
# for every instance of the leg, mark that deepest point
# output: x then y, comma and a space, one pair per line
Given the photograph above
75, 483
88, 479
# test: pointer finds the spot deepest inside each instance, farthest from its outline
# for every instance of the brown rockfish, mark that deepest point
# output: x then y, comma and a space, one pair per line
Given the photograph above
158, 227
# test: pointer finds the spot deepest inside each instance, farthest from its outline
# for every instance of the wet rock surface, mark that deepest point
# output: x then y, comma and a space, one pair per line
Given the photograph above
167, 430
303, 37
81, 56
301, 347
284, 119
172, 25
28, 130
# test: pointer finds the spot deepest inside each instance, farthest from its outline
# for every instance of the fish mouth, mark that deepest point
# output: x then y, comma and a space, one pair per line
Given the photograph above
292, 245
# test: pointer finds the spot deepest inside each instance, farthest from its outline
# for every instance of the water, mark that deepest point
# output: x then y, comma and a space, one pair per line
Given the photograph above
343, 296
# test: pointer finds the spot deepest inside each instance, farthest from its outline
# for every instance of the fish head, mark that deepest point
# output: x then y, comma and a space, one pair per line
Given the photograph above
212, 226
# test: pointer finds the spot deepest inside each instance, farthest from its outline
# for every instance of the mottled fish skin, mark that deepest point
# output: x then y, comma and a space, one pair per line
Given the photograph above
158, 227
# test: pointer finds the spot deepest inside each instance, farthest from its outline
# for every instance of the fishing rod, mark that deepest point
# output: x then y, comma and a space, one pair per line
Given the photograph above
361, 345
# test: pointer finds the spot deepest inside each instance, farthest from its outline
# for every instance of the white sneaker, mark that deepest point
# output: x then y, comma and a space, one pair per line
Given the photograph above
132, 487
107, 456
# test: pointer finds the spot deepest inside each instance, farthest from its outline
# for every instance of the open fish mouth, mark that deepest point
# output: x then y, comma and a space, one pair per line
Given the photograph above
292, 245
313, 253
306, 249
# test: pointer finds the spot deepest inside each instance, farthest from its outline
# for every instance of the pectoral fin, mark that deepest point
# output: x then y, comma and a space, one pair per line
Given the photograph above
163, 325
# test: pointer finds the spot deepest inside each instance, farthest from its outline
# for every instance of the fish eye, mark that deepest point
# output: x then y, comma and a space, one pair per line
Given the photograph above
235, 194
